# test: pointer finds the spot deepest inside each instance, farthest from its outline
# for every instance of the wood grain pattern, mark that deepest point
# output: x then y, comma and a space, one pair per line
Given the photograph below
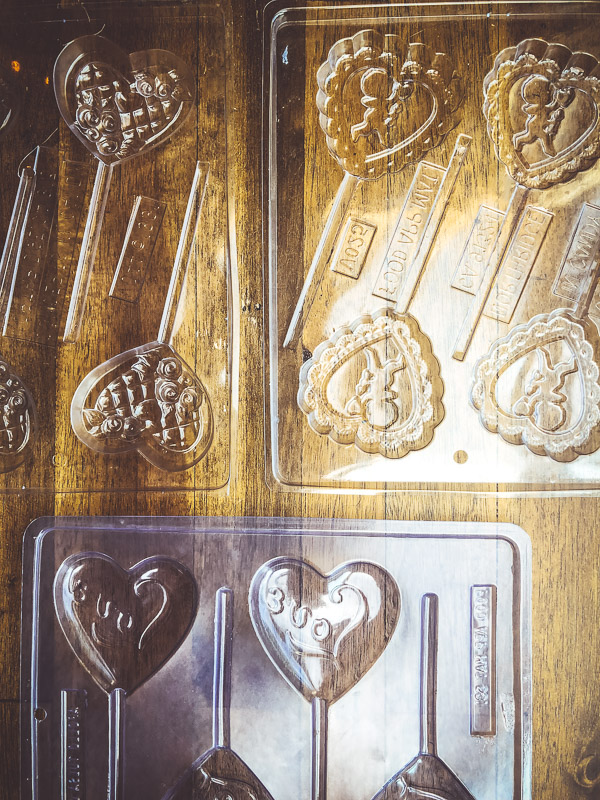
566, 552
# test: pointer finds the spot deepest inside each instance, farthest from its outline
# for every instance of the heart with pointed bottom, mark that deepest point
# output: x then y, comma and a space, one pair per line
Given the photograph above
323, 632
123, 625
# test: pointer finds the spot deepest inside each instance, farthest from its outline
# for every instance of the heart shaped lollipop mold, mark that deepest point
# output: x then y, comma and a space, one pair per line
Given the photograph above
541, 102
376, 384
18, 418
540, 386
123, 624
119, 104
146, 399
384, 104
323, 632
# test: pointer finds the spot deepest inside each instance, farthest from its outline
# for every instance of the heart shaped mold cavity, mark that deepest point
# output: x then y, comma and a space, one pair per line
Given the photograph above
384, 104
540, 386
146, 399
376, 384
123, 625
323, 632
117, 104
18, 419
542, 110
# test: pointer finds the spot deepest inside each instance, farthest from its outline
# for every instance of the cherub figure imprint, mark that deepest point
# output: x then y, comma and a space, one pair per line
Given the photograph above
544, 103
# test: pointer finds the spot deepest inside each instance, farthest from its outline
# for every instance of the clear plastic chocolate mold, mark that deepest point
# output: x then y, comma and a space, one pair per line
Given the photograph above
420, 309
118, 106
139, 106
359, 646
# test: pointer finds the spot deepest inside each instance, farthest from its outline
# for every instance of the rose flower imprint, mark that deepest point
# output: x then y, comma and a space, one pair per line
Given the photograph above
158, 396
17, 418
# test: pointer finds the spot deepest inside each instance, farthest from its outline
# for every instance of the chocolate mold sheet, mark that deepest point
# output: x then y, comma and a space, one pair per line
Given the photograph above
136, 261
353, 647
433, 322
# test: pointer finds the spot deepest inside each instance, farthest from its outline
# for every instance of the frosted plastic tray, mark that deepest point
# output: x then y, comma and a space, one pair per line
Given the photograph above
325, 613
431, 203
91, 212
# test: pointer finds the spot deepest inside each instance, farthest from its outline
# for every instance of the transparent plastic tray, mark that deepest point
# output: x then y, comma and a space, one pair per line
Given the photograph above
115, 214
346, 617
432, 234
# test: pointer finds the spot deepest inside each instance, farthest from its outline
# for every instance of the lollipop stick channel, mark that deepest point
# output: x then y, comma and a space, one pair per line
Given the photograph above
585, 301
184, 251
324, 249
87, 255
509, 224
428, 683
14, 237
319, 749
222, 668
116, 731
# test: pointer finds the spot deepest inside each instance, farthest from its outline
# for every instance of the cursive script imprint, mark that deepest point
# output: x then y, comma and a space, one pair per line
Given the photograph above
323, 632
123, 624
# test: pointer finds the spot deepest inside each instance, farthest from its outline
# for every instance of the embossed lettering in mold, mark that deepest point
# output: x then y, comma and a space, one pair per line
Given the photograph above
18, 418
542, 109
140, 239
577, 268
323, 632
73, 743
410, 230
541, 105
383, 104
350, 254
477, 250
483, 660
540, 386
517, 264
376, 384
123, 625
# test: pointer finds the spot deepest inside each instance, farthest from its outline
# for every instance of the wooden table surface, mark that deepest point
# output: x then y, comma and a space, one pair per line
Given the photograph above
566, 553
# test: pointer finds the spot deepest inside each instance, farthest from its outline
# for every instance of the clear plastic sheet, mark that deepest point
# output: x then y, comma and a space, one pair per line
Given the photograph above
139, 104
404, 638
431, 246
